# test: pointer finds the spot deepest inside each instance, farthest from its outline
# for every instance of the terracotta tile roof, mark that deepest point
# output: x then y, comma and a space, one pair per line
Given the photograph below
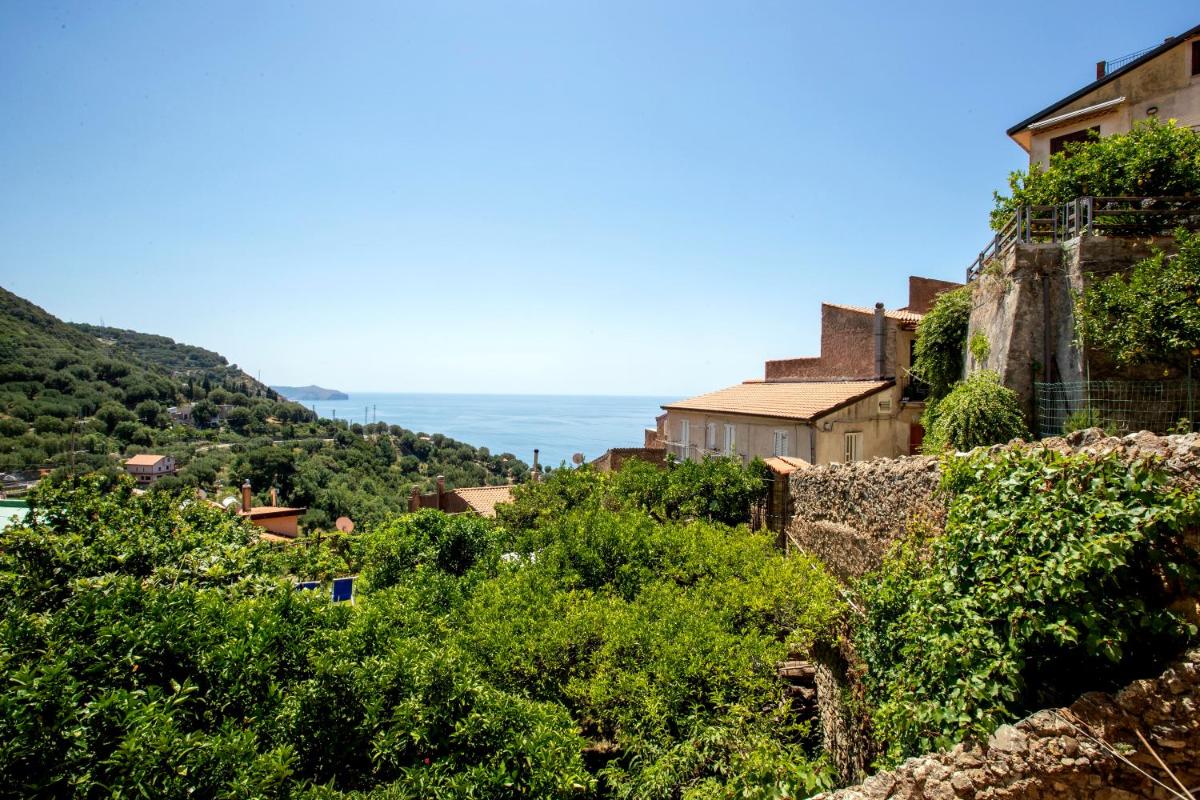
483, 499
143, 460
800, 400
785, 465
269, 512
899, 314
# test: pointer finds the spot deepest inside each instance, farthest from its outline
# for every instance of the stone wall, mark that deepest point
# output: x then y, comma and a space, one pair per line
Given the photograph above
848, 515
1024, 304
1067, 753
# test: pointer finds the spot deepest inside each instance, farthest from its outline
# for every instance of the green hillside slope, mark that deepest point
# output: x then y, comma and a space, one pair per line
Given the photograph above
75, 398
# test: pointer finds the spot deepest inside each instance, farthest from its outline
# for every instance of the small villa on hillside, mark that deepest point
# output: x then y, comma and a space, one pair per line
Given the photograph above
855, 401
279, 523
481, 500
147, 468
1161, 81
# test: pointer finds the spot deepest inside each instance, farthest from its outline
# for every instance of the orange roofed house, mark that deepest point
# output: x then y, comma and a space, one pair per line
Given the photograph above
280, 523
854, 401
147, 468
480, 500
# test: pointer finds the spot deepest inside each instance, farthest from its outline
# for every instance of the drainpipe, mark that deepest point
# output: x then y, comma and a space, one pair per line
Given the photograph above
879, 340
812, 444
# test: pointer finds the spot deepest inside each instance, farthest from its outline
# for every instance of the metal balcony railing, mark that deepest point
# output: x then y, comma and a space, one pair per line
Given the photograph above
1101, 216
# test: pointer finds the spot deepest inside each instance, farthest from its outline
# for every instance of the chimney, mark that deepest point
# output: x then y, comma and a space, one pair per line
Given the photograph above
880, 340
274, 496
246, 496
441, 492
414, 500
1101, 68
536, 472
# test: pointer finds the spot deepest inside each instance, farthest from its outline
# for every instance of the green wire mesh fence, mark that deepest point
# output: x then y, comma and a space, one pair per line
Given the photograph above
1118, 407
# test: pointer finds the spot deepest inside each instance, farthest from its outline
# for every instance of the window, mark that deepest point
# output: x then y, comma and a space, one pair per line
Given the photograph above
1196, 57
1059, 143
710, 436
685, 432
853, 447
730, 439
781, 443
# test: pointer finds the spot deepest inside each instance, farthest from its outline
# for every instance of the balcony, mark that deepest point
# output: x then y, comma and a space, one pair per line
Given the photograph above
685, 452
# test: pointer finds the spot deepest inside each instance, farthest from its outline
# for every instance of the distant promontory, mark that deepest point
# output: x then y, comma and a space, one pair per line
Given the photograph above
311, 392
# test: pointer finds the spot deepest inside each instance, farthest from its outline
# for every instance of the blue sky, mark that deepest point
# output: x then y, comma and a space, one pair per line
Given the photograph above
554, 197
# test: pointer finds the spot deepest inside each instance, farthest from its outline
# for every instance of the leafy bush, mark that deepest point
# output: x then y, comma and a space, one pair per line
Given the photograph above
714, 489
1155, 158
1151, 313
978, 411
152, 645
1086, 418
1055, 575
941, 341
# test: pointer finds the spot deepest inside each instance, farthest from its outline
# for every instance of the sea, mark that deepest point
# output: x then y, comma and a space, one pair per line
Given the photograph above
558, 425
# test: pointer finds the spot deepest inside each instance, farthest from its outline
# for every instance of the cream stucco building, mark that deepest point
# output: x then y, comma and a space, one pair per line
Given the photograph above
855, 401
1162, 81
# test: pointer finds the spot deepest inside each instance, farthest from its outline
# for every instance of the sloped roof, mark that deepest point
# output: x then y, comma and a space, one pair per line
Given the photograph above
270, 512
143, 460
785, 465
1112, 76
900, 314
483, 499
804, 401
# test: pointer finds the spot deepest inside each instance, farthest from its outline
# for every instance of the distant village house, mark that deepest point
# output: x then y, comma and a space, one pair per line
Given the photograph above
147, 468
280, 523
481, 500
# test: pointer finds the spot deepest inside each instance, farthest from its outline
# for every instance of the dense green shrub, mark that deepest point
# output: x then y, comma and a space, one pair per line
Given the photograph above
978, 411
151, 645
713, 489
1055, 575
1155, 158
1151, 313
941, 342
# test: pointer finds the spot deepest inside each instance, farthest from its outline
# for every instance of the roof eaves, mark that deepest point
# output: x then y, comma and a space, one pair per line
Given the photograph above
881, 386
1096, 84
852, 400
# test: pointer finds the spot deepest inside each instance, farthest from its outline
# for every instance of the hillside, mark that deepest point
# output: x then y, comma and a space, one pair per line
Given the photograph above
188, 363
79, 397
310, 392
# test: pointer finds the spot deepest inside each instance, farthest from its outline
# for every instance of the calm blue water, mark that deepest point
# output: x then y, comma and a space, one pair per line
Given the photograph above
559, 425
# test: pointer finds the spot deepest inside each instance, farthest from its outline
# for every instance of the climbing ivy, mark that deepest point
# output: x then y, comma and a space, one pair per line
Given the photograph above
1055, 575
941, 341
1150, 314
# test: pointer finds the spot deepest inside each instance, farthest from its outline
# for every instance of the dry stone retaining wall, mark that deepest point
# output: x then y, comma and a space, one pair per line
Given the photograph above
1067, 753
848, 515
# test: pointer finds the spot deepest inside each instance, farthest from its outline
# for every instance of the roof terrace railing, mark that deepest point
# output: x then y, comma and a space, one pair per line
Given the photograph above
1109, 67
1102, 216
